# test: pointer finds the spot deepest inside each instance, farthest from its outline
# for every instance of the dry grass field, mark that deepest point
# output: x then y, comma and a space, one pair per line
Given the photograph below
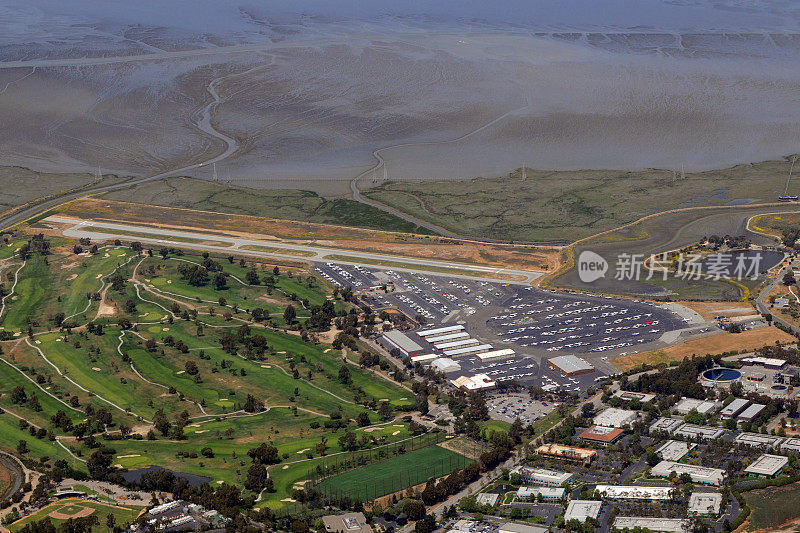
714, 344
403, 244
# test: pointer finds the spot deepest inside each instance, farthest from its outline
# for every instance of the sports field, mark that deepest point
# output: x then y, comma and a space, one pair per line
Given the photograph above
74, 508
389, 476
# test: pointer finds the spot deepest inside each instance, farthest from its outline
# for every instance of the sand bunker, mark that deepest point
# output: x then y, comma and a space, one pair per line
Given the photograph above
96, 368
127, 456
303, 451
71, 277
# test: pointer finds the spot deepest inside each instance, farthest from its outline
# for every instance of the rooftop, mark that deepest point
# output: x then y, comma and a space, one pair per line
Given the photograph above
701, 406
347, 523
613, 417
513, 527
673, 525
703, 432
767, 465
699, 474
641, 396
634, 492
582, 509
674, 450
751, 412
570, 364
667, 425
546, 492
757, 440
733, 408
705, 503
602, 434
561, 450
402, 341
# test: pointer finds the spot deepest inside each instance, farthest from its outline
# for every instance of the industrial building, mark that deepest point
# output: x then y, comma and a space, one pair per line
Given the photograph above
449, 345
751, 412
693, 431
468, 350
641, 396
665, 425
791, 446
703, 407
616, 418
397, 339
476, 382
634, 492
668, 525
541, 476
757, 440
448, 337
495, 354
570, 365
674, 450
581, 510
425, 358
439, 331
549, 494
699, 474
705, 503
766, 362
569, 454
734, 408
445, 364
603, 435
767, 465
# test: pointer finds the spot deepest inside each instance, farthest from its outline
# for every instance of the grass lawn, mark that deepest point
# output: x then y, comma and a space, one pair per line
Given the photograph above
122, 515
394, 474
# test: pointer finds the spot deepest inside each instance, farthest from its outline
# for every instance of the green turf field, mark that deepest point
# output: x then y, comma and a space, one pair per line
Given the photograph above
392, 475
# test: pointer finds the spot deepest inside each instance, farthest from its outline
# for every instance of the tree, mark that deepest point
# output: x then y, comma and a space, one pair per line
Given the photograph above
191, 368
289, 314
220, 281
99, 465
264, 454
363, 419
253, 405
252, 277
344, 374
18, 395
385, 410
653, 459
110, 521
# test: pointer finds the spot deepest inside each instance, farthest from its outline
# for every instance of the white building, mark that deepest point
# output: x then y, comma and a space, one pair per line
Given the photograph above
674, 450
487, 498
547, 493
699, 474
616, 418
581, 510
693, 431
665, 425
634, 492
705, 503
767, 465
734, 408
513, 527
757, 440
704, 407
641, 396
669, 525
541, 476
791, 446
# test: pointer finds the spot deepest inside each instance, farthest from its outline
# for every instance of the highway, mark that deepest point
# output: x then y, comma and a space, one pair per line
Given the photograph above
178, 239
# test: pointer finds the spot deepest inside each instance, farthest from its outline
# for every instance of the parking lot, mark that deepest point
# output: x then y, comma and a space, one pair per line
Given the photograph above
558, 322
509, 407
537, 324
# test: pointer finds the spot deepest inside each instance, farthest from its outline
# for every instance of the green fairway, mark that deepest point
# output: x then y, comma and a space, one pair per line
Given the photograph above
394, 474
